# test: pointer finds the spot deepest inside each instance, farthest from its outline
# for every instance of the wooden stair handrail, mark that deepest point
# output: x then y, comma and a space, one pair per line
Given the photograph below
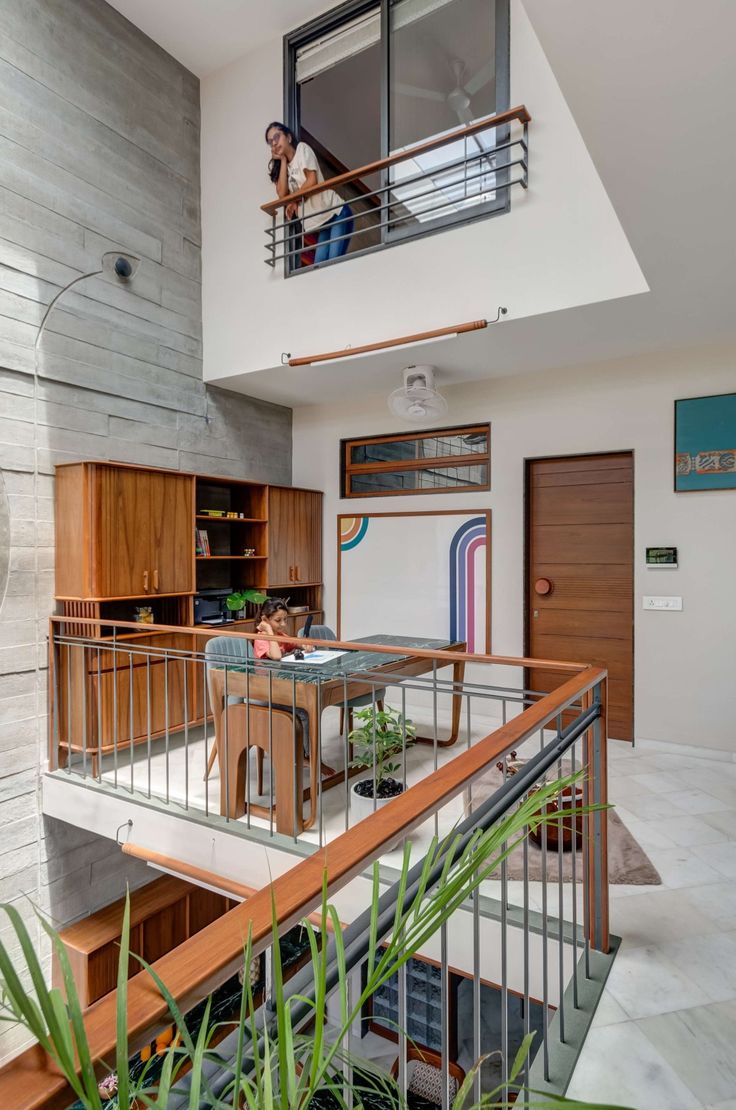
441, 654
190, 971
520, 113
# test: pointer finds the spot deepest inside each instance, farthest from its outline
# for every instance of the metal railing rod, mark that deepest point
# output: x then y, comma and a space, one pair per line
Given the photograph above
357, 935
391, 223
415, 179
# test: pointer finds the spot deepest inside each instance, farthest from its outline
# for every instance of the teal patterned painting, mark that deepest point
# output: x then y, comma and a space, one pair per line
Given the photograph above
705, 443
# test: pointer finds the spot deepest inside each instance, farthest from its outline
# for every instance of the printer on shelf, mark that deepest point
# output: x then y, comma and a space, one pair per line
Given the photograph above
210, 608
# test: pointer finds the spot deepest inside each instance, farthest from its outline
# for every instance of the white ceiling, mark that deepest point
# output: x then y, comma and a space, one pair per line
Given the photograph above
652, 87
205, 35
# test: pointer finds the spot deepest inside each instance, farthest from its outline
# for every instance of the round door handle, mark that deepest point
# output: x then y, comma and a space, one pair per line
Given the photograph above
543, 586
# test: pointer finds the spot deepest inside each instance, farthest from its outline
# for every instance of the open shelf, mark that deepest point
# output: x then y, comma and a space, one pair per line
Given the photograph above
242, 558
231, 519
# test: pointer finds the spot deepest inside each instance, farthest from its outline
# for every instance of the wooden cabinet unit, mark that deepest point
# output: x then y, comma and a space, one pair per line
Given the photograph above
163, 914
123, 532
295, 536
126, 536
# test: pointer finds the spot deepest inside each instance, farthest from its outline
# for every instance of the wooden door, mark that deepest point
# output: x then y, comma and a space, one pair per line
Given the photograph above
306, 536
170, 525
580, 540
121, 529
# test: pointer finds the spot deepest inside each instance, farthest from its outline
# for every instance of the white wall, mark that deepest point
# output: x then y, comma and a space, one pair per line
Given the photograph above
684, 678
561, 244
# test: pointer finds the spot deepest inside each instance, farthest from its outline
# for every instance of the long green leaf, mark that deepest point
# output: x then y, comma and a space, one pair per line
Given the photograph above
74, 1010
196, 1081
121, 1008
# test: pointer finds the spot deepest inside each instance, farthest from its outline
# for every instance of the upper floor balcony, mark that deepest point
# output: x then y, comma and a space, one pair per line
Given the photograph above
461, 175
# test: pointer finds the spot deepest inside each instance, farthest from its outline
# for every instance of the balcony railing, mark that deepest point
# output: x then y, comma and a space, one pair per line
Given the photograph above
460, 175
542, 942
269, 749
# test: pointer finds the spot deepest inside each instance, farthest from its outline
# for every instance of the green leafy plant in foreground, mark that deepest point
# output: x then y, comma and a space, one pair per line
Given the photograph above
286, 1057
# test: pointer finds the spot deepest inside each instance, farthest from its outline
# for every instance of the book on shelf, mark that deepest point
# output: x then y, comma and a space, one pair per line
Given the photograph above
202, 542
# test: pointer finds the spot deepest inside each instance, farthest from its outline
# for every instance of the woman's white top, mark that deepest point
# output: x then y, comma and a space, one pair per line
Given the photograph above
314, 207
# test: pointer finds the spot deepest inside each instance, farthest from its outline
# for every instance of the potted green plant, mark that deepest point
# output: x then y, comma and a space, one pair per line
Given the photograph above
382, 736
236, 601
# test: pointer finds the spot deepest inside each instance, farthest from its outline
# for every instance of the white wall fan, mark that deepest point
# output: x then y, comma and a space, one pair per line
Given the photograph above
459, 97
417, 399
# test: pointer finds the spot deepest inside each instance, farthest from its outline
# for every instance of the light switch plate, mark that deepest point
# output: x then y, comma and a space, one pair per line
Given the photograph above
673, 604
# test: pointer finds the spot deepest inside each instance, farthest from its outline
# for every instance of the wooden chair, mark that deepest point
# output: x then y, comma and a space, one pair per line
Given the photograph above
425, 1079
246, 725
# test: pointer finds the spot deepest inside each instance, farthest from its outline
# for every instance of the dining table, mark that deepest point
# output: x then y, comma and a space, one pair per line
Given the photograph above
313, 688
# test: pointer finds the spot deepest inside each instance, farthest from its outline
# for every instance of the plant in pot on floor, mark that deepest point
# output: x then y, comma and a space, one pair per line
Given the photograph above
236, 601
382, 736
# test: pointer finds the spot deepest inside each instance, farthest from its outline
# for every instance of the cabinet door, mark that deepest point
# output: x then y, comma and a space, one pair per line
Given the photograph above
306, 536
121, 530
170, 525
280, 558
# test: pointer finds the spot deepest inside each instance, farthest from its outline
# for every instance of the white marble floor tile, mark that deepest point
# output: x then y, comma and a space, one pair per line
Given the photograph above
697, 802
729, 1104
715, 903
620, 1065
609, 1011
621, 787
650, 807
648, 834
680, 867
725, 820
659, 782
710, 961
699, 1043
659, 915
689, 830
722, 857
645, 982
718, 786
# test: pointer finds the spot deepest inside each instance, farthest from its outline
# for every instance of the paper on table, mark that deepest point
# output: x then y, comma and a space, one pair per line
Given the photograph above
325, 655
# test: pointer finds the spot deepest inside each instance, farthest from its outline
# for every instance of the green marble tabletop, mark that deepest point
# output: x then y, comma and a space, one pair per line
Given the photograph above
351, 663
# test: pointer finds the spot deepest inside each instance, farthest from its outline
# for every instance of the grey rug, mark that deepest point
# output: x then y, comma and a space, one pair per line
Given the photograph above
628, 863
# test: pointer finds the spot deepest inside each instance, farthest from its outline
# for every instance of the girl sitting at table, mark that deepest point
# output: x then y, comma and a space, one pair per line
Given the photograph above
272, 621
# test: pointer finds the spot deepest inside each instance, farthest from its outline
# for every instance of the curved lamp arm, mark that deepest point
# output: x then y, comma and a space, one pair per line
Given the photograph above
50, 308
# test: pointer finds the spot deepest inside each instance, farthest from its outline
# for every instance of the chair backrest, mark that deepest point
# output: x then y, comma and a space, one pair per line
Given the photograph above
319, 632
221, 650
227, 649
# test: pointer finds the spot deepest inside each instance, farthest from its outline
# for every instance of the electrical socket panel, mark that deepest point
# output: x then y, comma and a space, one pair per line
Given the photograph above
672, 604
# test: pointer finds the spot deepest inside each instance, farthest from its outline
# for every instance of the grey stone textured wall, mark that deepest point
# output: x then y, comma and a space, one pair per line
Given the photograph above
99, 151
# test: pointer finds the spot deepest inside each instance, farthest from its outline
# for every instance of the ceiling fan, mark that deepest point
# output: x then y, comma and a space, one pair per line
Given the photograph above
458, 99
417, 400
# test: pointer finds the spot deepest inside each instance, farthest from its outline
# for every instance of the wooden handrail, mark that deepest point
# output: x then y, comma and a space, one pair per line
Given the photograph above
384, 344
30, 1082
346, 645
520, 113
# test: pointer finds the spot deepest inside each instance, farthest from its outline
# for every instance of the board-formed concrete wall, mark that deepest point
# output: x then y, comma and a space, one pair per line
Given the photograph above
99, 150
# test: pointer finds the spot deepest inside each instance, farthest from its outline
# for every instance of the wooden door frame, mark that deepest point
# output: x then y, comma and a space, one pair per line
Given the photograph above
528, 461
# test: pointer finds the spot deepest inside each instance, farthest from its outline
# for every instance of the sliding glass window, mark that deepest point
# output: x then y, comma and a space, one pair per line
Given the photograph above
368, 81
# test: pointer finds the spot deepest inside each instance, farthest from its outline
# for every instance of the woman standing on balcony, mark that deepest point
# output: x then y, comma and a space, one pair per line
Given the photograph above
294, 166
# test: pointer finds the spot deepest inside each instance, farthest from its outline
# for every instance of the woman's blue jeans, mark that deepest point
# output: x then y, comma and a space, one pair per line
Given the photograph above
330, 241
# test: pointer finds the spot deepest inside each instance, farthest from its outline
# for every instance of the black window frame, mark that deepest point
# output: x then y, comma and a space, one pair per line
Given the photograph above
332, 20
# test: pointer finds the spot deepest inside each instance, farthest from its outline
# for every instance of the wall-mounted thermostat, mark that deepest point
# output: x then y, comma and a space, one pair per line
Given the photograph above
662, 558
